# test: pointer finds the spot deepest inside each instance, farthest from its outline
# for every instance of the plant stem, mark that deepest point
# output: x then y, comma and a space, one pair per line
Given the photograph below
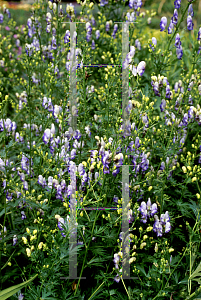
125, 288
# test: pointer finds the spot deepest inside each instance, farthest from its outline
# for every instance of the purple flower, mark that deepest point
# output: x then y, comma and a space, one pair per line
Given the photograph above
170, 28
29, 49
107, 27
61, 225
179, 52
177, 4
137, 44
93, 21
103, 2
163, 105
93, 46
97, 34
154, 41
48, 18
162, 167
116, 260
152, 209
157, 226
190, 23
141, 68
67, 37
14, 240
23, 215
54, 32
8, 13
168, 92
177, 41
25, 185
46, 136
131, 17
190, 10
53, 43
199, 34
143, 210
175, 17
1, 18
89, 31
115, 31
163, 23
135, 4
29, 23
165, 218
21, 296
167, 227
42, 181
156, 88
117, 278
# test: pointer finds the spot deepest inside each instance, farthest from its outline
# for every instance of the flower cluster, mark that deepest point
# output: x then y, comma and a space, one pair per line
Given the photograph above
178, 46
160, 82
149, 210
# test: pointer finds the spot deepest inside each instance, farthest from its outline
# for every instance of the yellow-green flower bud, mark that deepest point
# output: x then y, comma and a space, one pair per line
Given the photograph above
28, 252
24, 240
28, 230
184, 169
40, 245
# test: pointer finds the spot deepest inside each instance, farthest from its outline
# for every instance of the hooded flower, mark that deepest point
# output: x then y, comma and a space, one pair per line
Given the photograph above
163, 23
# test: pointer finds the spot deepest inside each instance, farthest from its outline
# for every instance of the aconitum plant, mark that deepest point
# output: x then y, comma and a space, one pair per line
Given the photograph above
100, 152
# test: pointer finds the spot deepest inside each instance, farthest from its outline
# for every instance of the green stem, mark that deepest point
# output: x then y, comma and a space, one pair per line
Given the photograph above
87, 251
125, 288
96, 290
192, 296
189, 281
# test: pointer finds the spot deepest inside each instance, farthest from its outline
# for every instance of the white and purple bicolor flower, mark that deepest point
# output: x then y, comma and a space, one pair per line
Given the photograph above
154, 41
199, 34
190, 10
163, 23
14, 240
129, 57
175, 17
171, 27
23, 216
177, 4
48, 134
190, 23
42, 181
97, 34
67, 37
139, 70
179, 52
116, 260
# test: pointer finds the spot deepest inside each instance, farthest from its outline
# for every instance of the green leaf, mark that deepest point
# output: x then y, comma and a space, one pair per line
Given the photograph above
5, 294
196, 273
2, 212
